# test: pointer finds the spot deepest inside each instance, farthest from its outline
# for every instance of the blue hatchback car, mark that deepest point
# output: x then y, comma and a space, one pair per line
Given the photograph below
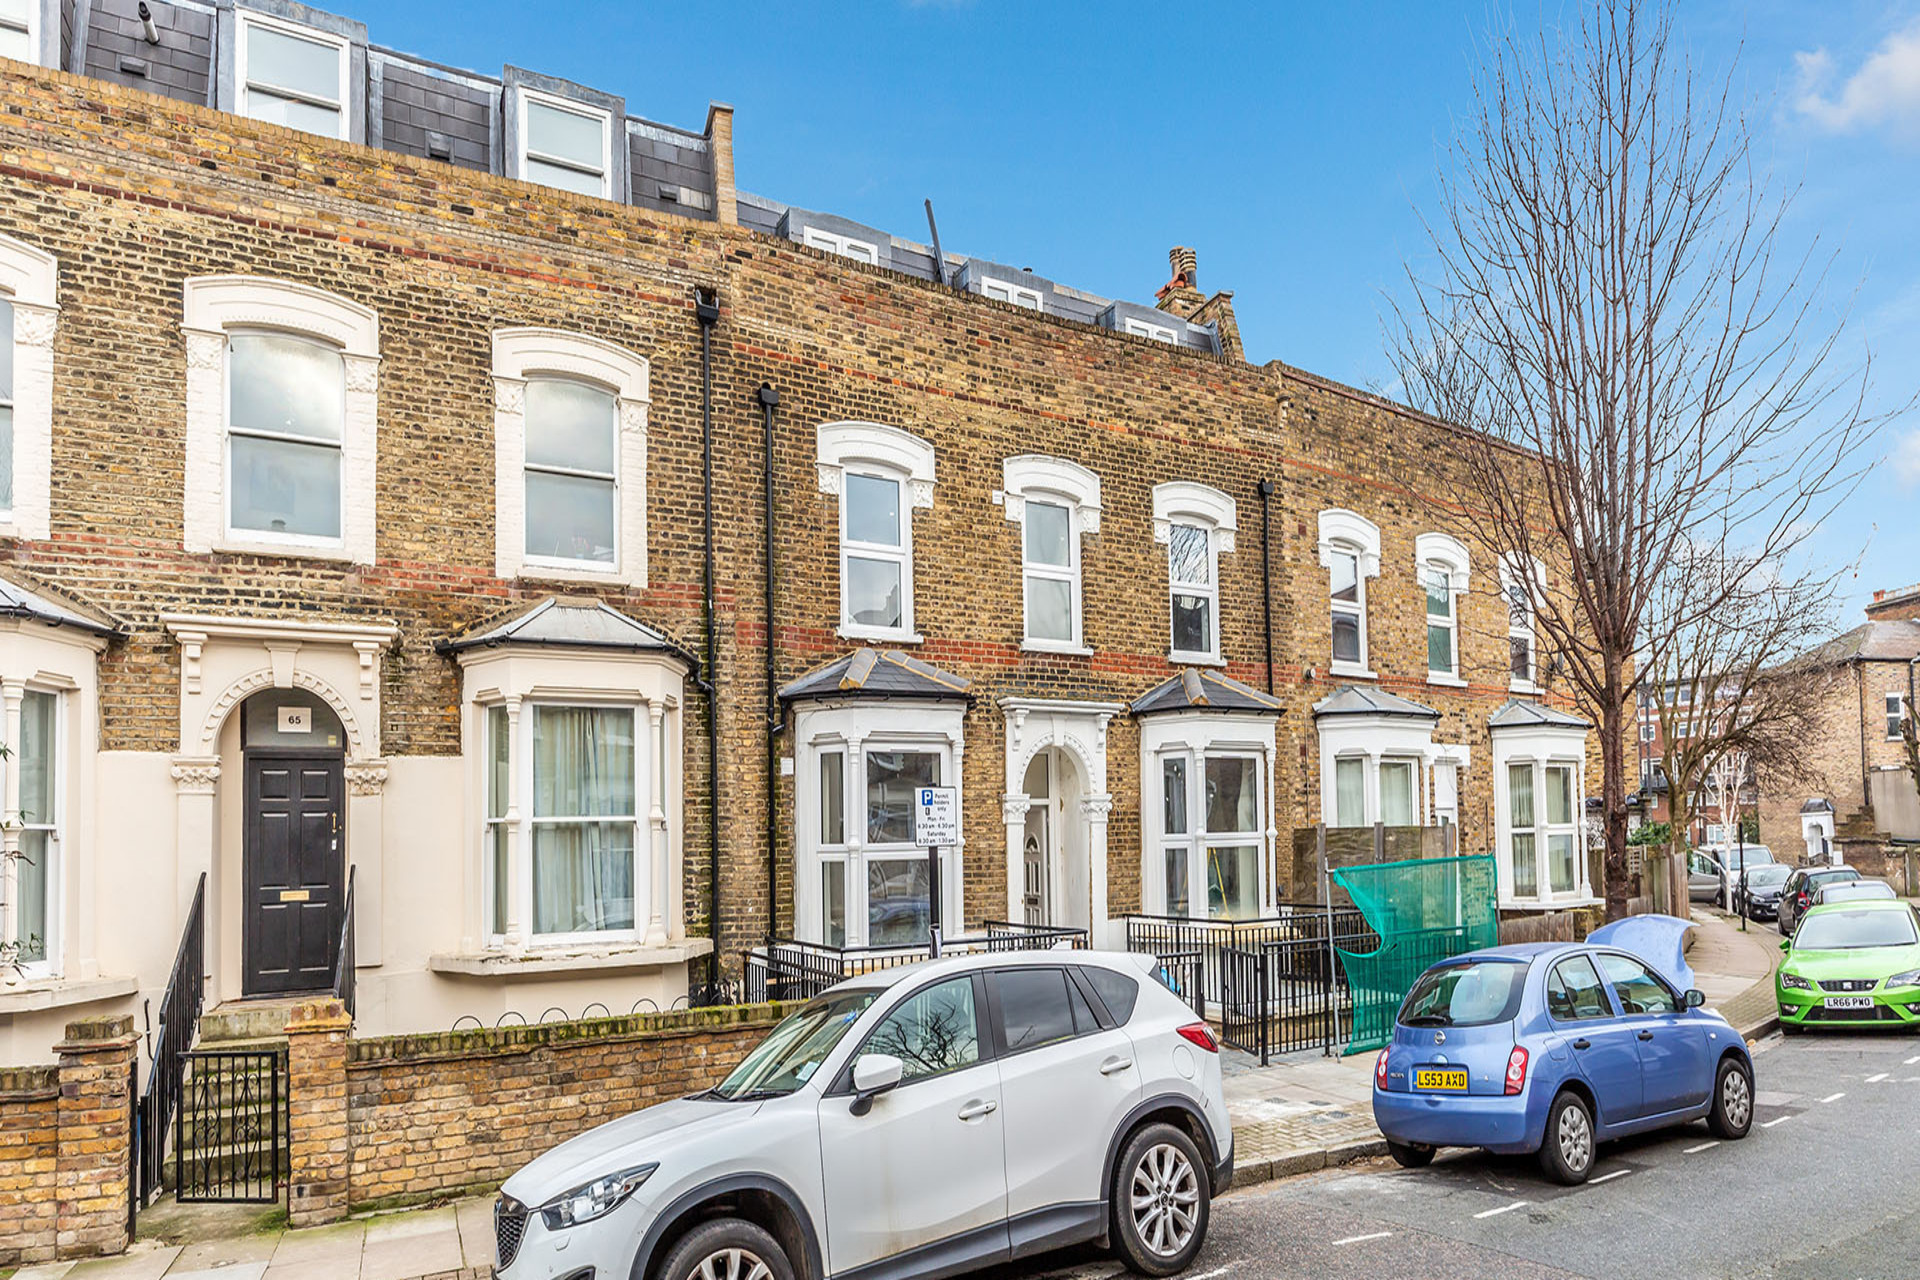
1554, 1048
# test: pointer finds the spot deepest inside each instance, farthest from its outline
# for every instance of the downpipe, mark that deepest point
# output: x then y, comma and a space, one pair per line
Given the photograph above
707, 311
769, 399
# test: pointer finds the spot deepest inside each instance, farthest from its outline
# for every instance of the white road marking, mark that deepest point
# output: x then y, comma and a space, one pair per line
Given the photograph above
1782, 1120
1609, 1177
1217, 1271
1910, 1061
1505, 1208
1877, 1079
1705, 1146
1835, 1097
1377, 1235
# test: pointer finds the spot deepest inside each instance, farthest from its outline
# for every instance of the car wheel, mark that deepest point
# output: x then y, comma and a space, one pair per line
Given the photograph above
1732, 1113
1409, 1156
727, 1249
1567, 1154
1161, 1201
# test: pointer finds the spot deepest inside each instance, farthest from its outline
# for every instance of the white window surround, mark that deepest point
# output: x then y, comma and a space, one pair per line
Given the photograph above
1006, 291
1198, 736
845, 246
249, 18
523, 353
1449, 555
29, 281
1344, 532
520, 679
872, 448
34, 34
1056, 480
1533, 576
216, 305
855, 727
1540, 746
1156, 332
570, 106
1377, 739
1187, 502
1896, 712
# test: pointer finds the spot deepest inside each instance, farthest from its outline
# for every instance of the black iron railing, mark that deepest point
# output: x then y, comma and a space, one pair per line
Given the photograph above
343, 967
232, 1119
1183, 973
789, 970
1281, 997
1296, 923
166, 1050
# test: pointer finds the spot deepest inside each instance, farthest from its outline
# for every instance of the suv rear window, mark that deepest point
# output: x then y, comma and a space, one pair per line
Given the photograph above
1465, 995
1117, 991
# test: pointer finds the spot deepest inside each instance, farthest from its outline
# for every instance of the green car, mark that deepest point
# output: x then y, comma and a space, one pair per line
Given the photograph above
1851, 964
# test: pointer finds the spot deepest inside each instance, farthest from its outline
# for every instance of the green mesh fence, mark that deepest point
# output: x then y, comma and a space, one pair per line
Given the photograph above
1424, 911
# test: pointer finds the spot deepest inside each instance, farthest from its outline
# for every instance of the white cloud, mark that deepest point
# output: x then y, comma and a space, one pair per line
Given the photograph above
1884, 91
1906, 460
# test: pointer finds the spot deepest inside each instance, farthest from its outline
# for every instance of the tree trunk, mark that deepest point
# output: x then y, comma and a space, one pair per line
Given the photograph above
1679, 822
1613, 807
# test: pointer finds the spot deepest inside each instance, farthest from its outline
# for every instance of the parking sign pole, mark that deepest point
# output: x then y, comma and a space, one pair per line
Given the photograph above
933, 901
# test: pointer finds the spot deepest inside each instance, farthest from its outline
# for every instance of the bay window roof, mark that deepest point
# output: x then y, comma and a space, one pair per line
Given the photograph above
568, 622
878, 673
50, 608
1518, 714
1195, 689
1361, 700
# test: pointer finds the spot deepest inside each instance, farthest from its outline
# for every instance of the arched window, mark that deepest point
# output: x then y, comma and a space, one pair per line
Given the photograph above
880, 474
1441, 561
1054, 502
1350, 553
1197, 523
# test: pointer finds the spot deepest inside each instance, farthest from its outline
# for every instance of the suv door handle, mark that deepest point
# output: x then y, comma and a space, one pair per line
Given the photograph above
977, 1108
1646, 1035
1114, 1066
1583, 1043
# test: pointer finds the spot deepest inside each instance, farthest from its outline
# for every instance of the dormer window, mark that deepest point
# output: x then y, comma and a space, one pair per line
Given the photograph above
18, 37
291, 75
1143, 329
845, 246
1003, 291
565, 144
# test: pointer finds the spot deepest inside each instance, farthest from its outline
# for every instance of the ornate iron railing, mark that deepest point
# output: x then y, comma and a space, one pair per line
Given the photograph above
232, 1110
179, 1017
343, 962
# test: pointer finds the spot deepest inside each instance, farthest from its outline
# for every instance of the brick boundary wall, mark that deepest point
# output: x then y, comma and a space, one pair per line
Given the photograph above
402, 1119
67, 1135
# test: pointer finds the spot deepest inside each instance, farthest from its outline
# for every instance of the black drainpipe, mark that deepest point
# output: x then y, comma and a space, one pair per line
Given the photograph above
1266, 570
769, 400
707, 310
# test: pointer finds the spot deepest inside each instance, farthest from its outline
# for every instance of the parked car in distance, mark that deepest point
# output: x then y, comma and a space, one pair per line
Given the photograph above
919, 1121
1713, 870
1851, 964
1797, 894
1554, 1048
1854, 891
1757, 896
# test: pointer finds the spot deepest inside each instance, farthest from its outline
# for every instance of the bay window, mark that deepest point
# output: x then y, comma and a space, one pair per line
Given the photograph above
1539, 800
572, 481
36, 870
1350, 791
898, 898
1222, 856
1399, 794
286, 424
292, 75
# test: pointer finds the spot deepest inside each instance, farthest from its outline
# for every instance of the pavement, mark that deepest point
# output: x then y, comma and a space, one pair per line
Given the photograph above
1303, 1113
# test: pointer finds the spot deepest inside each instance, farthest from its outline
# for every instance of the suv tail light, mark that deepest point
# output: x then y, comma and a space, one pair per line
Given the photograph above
1516, 1070
1803, 899
1380, 1071
1201, 1034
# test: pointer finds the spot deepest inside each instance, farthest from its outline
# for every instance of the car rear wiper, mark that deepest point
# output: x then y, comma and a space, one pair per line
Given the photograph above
1427, 1020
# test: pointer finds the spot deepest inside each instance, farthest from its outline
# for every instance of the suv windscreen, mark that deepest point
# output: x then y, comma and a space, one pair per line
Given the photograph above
1465, 995
794, 1050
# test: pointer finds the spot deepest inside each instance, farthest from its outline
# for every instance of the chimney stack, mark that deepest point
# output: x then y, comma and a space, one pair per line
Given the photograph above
726, 209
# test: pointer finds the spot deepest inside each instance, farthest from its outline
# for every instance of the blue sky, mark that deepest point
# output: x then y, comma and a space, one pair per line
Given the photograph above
1291, 146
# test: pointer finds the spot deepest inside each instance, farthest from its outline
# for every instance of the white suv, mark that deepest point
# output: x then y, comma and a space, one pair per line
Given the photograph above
921, 1121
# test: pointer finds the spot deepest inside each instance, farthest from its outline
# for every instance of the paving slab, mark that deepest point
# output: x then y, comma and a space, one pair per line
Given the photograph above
136, 1264
44, 1271
231, 1271
404, 1245
474, 1218
205, 1256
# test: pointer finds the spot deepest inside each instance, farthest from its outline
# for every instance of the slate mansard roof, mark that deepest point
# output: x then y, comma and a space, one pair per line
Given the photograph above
412, 106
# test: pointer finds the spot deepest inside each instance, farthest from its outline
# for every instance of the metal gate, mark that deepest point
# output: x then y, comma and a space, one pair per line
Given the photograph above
231, 1136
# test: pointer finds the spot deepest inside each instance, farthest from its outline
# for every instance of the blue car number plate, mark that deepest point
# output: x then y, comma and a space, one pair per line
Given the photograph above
1453, 1080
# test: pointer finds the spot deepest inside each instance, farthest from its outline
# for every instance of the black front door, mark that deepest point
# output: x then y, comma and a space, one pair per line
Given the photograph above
295, 870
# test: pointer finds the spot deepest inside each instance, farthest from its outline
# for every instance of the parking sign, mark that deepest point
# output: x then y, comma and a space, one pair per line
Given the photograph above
936, 817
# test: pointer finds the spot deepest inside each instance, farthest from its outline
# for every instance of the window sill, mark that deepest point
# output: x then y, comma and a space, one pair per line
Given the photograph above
36, 994
234, 544
1445, 680
1351, 671
1055, 646
1179, 659
575, 571
888, 635
1523, 686
540, 962
1550, 904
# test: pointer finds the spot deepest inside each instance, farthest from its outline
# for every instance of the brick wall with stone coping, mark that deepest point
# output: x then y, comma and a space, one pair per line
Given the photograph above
427, 1116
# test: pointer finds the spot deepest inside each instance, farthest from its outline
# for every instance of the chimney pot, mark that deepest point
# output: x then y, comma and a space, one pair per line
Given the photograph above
1185, 264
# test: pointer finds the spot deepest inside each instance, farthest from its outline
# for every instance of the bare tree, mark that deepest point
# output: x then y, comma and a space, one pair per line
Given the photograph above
1640, 369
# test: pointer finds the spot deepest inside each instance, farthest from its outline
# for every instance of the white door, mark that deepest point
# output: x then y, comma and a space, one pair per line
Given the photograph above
928, 1162
1066, 1083
1034, 895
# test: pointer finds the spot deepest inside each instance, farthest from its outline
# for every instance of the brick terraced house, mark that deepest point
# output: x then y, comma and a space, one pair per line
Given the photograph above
356, 416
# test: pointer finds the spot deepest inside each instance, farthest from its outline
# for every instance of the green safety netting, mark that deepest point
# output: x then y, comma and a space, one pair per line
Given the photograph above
1423, 911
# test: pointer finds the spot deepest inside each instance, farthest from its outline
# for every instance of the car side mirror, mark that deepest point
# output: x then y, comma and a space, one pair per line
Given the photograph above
873, 1075
1786, 943
1695, 998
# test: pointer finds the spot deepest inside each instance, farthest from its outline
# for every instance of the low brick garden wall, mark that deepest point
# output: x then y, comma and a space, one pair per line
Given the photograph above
402, 1119
66, 1134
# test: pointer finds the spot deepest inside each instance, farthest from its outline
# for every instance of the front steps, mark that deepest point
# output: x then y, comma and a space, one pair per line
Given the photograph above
223, 1150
